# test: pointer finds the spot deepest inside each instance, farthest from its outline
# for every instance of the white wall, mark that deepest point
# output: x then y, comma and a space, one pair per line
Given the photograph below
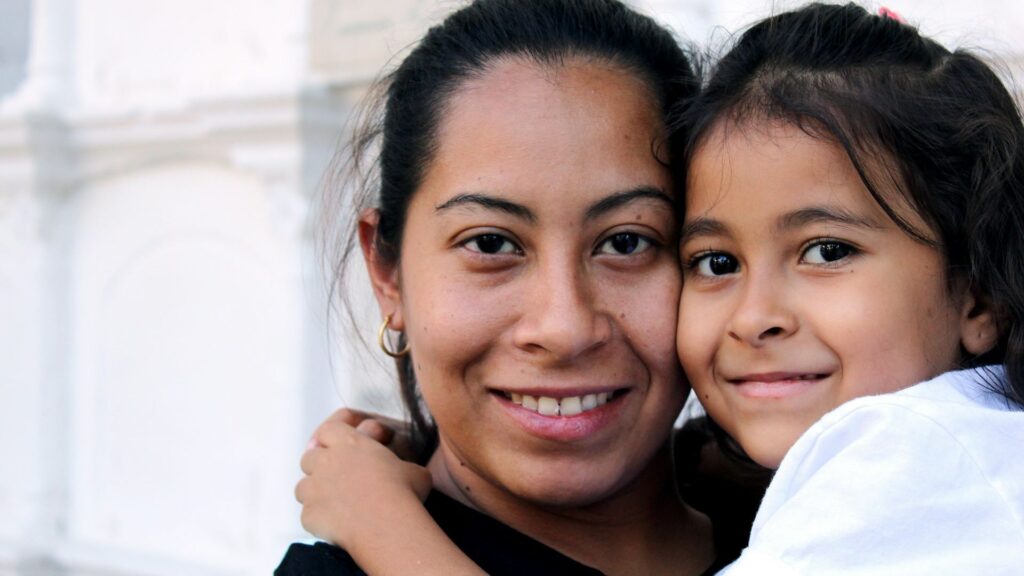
13, 43
163, 349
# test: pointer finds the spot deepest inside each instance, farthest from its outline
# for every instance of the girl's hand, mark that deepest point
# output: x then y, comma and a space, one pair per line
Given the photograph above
390, 432
351, 476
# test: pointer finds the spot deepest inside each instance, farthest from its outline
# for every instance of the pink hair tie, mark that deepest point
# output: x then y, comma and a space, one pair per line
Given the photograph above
890, 14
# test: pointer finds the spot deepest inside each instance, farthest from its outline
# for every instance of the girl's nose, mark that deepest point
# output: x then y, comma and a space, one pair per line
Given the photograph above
763, 313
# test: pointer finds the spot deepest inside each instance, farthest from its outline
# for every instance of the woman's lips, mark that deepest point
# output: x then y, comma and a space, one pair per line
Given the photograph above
566, 418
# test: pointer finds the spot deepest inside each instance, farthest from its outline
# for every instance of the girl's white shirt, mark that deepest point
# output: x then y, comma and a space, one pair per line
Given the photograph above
928, 480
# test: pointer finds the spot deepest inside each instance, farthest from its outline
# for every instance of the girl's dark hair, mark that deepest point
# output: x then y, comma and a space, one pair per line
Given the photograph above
398, 139
935, 126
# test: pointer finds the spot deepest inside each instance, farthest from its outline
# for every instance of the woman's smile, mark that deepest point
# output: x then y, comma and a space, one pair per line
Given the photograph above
538, 260
566, 419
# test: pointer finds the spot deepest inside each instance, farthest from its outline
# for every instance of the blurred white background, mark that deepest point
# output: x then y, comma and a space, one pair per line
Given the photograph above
163, 337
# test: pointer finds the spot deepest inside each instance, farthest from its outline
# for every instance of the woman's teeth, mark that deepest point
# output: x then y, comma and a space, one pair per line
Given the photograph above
568, 406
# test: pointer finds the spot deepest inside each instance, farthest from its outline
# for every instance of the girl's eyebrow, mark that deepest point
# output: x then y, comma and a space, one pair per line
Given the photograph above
824, 215
702, 226
705, 226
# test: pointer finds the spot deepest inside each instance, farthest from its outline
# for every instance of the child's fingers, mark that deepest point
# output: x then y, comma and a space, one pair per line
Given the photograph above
334, 432
349, 416
311, 459
374, 429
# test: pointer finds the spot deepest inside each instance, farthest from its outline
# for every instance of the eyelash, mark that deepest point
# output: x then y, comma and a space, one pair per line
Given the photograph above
694, 263
516, 249
643, 243
851, 251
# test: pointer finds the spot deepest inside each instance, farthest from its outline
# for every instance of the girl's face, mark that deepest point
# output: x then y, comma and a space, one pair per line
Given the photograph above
537, 281
799, 292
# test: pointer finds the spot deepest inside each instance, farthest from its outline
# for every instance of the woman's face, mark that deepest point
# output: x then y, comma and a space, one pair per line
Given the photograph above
539, 280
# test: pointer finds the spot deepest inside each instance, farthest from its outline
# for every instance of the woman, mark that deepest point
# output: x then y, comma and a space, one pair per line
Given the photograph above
523, 244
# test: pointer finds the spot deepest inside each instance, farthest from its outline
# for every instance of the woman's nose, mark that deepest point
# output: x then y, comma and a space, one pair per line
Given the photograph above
562, 318
763, 313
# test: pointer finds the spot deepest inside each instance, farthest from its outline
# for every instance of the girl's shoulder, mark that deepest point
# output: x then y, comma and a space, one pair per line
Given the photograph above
923, 481
956, 425
960, 412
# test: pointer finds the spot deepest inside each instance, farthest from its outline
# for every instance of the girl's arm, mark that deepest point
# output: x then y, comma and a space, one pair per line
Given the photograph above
359, 495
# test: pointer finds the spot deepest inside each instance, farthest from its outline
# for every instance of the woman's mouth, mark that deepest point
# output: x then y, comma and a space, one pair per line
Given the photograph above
564, 418
565, 406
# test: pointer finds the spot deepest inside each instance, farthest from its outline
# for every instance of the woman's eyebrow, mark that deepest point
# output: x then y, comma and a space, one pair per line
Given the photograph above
489, 202
823, 215
620, 199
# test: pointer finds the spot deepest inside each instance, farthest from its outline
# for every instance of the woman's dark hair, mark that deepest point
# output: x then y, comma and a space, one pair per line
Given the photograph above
399, 139
935, 126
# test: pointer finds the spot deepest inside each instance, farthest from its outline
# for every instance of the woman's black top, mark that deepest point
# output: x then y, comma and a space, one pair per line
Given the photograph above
495, 547
723, 487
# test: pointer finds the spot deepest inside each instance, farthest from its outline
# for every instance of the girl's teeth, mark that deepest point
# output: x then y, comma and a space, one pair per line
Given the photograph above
568, 406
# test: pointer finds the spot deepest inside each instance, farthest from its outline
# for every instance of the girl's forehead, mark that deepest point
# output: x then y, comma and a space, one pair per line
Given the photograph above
772, 161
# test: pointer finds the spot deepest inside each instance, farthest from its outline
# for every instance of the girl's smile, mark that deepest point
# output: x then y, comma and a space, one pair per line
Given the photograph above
799, 292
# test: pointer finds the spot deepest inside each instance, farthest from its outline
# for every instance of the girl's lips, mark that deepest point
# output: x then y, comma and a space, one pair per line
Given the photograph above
776, 384
564, 428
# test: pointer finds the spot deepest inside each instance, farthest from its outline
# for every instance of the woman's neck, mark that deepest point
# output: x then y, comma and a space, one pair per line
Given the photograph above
640, 529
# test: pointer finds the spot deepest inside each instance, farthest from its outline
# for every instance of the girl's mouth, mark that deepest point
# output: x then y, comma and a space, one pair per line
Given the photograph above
776, 384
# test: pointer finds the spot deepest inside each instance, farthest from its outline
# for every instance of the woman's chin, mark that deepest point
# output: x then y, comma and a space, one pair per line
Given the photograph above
570, 486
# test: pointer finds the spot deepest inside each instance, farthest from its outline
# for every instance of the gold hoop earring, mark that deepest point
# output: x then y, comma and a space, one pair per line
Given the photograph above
382, 340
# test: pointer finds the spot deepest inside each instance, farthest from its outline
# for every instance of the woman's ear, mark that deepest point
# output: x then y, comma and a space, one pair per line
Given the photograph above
979, 328
383, 274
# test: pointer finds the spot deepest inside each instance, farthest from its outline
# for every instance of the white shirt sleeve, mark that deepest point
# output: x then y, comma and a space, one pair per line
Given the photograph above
879, 488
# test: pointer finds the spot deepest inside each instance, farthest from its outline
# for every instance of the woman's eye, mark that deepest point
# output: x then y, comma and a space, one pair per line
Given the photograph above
827, 252
624, 244
491, 244
715, 264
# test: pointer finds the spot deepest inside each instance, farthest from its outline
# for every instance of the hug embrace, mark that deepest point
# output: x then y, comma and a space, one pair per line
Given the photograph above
568, 223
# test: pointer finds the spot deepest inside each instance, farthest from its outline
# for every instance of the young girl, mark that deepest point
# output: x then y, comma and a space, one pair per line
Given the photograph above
854, 200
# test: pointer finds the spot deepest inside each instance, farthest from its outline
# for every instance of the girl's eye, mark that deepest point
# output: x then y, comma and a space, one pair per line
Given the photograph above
715, 264
491, 244
827, 252
624, 244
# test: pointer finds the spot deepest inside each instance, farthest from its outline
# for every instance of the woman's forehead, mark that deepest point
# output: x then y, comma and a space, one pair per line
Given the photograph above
521, 130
